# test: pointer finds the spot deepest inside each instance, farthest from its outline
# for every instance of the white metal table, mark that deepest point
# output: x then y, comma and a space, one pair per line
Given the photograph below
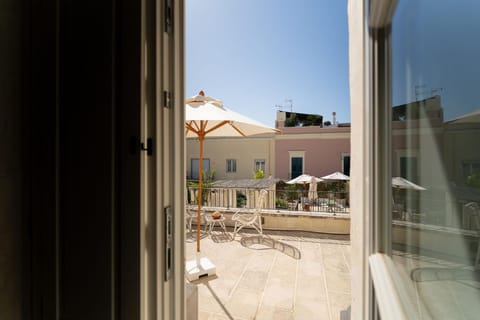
212, 221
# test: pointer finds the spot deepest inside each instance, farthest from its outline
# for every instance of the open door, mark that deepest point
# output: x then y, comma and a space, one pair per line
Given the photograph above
91, 160
163, 164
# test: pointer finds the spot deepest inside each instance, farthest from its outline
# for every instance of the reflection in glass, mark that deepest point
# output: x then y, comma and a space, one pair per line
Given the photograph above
436, 147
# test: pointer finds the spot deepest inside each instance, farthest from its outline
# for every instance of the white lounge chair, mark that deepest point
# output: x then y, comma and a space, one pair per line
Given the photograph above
250, 219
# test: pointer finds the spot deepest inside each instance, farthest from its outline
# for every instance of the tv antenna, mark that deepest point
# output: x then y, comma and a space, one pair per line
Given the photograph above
436, 91
291, 104
419, 91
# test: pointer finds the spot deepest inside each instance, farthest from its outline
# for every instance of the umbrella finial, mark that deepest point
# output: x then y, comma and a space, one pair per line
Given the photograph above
201, 93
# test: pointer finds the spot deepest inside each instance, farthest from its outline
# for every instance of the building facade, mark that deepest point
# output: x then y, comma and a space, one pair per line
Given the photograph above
317, 150
232, 158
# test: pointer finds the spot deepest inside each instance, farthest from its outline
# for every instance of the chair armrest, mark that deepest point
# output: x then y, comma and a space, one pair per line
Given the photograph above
236, 215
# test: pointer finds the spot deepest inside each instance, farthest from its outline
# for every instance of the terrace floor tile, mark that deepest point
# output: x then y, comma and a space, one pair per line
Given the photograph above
280, 275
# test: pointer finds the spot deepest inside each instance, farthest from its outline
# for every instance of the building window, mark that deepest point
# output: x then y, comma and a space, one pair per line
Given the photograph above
205, 165
470, 170
409, 168
231, 165
297, 167
297, 163
259, 164
346, 164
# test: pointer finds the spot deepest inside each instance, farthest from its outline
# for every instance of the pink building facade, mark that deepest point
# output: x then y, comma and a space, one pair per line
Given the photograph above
316, 150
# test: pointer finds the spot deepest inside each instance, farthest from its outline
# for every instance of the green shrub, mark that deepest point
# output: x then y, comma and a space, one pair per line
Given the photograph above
241, 200
473, 181
259, 174
281, 203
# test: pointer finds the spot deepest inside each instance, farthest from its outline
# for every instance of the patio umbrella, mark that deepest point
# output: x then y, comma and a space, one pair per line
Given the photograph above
304, 178
402, 183
206, 116
336, 176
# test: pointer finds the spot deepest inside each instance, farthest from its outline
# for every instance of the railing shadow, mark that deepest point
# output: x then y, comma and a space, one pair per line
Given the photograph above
221, 237
252, 242
192, 236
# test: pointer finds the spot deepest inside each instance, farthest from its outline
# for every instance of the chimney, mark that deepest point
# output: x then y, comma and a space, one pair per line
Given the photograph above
334, 119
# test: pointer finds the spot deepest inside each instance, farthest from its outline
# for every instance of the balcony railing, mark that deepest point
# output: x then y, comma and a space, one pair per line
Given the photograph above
280, 200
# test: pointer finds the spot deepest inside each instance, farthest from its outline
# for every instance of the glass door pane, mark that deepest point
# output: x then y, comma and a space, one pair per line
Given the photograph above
297, 167
436, 155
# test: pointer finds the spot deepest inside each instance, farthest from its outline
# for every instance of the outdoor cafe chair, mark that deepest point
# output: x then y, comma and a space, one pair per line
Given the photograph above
250, 219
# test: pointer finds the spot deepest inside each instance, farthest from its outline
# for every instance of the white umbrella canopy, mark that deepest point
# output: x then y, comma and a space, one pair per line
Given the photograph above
304, 178
206, 116
402, 183
336, 176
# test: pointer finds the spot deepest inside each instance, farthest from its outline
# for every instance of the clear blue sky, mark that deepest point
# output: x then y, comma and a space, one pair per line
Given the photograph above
256, 54
436, 50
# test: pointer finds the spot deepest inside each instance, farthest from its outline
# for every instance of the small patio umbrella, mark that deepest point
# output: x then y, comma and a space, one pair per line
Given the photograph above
304, 179
336, 176
206, 116
402, 183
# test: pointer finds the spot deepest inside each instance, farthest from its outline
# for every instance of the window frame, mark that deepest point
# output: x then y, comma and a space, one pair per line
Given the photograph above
256, 167
295, 154
389, 290
231, 165
344, 155
374, 285
204, 161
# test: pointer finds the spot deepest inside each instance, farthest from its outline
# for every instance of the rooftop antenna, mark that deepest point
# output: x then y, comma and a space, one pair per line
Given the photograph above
436, 91
291, 104
419, 91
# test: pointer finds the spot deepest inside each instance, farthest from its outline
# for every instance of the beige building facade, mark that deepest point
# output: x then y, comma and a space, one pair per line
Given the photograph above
232, 158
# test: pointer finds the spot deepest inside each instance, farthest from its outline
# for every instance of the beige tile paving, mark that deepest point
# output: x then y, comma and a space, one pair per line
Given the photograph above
282, 275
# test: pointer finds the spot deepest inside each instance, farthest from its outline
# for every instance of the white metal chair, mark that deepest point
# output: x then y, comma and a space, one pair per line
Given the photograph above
250, 219
192, 215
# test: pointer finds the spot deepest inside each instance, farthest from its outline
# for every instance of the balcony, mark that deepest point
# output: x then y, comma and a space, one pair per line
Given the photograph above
280, 275
322, 211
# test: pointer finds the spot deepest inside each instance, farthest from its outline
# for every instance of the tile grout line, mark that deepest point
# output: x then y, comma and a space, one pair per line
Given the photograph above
295, 287
266, 282
325, 282
345, 260
240, 277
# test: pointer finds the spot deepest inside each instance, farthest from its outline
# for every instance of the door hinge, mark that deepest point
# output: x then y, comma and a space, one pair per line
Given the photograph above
168, 16
148, 147
167, 99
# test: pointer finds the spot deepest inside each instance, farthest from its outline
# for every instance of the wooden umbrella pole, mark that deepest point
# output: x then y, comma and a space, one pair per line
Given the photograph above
200, 178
